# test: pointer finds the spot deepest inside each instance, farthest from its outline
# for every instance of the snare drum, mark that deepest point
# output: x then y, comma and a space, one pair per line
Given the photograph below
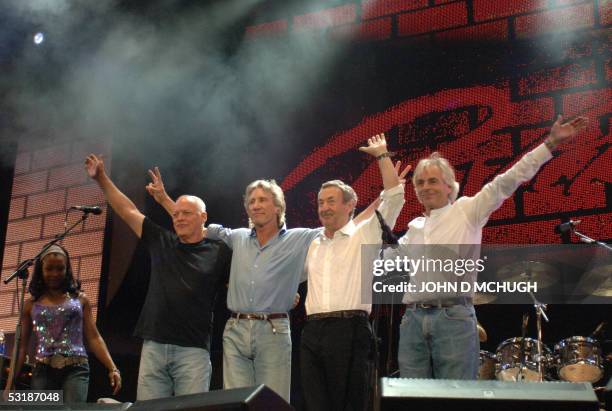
579, 359
487, 365
509, 360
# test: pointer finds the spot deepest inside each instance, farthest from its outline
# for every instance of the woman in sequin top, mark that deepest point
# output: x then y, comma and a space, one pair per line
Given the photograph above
59, 317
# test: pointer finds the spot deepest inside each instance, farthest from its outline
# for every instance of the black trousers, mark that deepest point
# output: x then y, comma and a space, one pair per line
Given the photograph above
335, 363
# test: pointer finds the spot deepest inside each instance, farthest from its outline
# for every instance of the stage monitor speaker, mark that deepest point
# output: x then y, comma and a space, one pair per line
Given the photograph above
90, 406
434, 395
259, 398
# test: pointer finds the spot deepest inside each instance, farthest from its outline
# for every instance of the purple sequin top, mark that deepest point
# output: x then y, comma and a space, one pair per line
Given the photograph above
59, 329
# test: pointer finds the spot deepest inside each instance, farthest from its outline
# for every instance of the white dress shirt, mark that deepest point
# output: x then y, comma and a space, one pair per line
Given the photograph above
462, 221
333, 265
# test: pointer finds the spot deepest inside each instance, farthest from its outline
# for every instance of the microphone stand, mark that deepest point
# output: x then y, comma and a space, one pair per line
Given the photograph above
22, 273
387, 239
376, 354
588, 240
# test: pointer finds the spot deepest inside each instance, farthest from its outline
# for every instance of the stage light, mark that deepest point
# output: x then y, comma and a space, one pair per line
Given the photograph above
39, 38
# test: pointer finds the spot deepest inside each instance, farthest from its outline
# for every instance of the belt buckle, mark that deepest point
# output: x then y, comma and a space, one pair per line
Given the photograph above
57, 361
251, 316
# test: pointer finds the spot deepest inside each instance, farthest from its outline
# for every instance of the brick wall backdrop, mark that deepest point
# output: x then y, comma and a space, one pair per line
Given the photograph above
432, 20
48, 180
484, 128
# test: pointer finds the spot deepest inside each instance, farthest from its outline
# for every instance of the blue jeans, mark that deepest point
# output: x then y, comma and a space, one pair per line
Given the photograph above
439, 343
167, 369
253, 354
73, 380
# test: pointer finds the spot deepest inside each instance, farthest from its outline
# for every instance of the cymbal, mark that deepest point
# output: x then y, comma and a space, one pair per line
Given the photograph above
482, 334
483, 298
597, 281
605, 289
542, 273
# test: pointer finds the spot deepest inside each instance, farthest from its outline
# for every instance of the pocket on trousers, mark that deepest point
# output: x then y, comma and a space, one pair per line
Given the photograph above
407, 317
281, 326
230, 323
459, 312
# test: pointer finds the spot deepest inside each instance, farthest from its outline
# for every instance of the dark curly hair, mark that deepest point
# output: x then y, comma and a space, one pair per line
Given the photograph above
37, 285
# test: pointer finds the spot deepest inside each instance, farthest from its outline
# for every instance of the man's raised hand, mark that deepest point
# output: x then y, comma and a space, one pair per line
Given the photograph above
156, 187
561, 132
94, 166
402, 175
377, 145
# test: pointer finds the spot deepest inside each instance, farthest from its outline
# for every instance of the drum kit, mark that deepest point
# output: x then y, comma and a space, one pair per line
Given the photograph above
573, 359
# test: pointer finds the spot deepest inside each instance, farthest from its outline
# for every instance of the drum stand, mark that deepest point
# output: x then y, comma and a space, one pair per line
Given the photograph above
540, 312
522, 366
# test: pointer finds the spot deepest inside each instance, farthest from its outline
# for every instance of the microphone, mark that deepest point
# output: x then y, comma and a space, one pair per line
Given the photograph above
387, 234
565, 227
88, 209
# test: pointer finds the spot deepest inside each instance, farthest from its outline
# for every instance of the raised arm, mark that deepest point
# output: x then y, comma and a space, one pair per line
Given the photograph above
377, 147
157, 190
119, 202
369, 210
392, 198
492, 195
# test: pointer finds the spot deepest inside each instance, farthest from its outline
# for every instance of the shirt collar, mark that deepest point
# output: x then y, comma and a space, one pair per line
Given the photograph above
280, 233
436, 212
347, 230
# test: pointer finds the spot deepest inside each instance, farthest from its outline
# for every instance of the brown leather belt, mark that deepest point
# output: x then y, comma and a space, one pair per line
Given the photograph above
338, 314
263, 317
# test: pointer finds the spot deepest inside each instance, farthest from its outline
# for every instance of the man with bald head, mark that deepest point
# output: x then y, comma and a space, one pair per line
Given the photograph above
187, 270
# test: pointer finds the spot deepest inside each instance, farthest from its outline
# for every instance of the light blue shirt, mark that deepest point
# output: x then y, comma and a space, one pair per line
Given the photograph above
264, 279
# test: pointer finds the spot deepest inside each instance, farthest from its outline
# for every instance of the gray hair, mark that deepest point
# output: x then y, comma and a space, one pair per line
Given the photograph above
448, 173
348, 194
199, 202
278, 197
